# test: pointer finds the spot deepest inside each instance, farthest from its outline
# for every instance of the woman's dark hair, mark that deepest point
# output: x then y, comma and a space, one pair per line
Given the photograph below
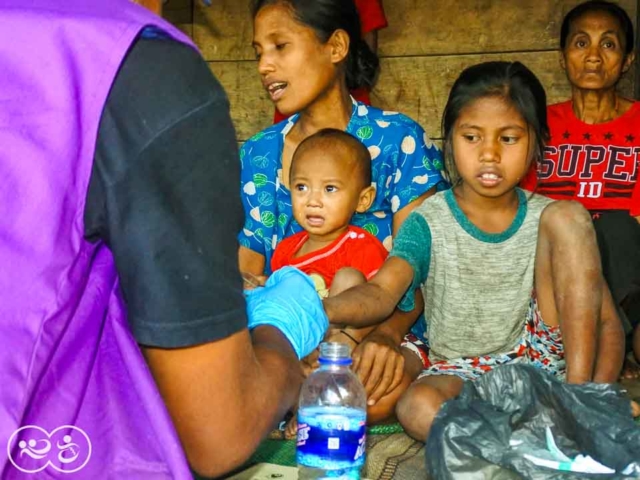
511, 81
602, 6
327, 16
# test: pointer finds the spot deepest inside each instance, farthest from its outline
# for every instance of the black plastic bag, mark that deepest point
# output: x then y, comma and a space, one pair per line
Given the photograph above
471, 436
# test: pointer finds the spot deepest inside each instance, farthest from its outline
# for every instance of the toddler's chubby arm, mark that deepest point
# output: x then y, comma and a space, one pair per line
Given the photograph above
371, 303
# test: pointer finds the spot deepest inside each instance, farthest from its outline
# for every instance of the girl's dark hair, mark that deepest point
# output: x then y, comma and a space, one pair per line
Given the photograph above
603, 6
511, 81
327, 16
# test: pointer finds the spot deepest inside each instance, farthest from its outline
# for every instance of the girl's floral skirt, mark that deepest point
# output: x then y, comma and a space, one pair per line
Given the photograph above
540, 346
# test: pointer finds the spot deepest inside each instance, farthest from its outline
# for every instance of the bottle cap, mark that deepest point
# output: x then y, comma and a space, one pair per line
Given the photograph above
335, 353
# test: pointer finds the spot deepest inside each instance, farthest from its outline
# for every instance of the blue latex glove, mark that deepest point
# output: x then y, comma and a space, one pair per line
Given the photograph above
289, 302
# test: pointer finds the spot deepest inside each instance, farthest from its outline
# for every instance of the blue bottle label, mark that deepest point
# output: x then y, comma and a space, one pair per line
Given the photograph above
331, 438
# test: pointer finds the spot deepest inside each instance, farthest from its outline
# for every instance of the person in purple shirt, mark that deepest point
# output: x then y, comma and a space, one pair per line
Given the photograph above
122, 313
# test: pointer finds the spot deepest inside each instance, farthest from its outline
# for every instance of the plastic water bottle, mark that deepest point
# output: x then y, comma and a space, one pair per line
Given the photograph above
332, 416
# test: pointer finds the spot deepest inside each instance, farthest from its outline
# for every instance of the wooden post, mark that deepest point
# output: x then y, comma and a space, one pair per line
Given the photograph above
154, 5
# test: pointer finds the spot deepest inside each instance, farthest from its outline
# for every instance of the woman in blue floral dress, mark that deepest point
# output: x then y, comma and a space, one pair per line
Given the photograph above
309, 55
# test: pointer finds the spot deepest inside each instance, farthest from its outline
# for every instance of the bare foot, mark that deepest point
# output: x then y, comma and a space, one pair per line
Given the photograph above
635, 409
291, 430
630, 369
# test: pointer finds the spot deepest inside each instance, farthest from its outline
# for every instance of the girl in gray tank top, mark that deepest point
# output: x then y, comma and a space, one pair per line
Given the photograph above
507, 276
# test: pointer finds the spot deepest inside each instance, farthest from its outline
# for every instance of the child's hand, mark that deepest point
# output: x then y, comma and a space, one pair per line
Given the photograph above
379, 364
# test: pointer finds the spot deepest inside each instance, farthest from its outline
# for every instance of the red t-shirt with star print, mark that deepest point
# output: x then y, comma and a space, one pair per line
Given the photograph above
596, 165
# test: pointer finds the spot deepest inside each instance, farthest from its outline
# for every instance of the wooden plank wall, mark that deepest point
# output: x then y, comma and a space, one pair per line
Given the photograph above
180, 13
427, 44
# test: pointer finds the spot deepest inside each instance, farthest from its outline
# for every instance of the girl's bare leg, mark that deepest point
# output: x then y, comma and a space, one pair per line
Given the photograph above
420, 403
611, 342
572, 293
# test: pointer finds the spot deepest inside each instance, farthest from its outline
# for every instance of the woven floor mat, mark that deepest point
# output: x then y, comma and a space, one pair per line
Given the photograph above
391, 454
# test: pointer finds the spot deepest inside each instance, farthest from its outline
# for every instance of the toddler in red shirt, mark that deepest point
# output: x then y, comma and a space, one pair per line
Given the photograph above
330, 180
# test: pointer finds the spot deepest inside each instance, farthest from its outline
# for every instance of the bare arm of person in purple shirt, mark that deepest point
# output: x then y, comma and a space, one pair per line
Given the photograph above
164, 196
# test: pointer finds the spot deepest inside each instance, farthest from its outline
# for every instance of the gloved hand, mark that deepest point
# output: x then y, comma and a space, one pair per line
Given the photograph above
289, 302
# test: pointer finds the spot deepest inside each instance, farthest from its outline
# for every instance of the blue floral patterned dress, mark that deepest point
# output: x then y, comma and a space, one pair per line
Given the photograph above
405, 164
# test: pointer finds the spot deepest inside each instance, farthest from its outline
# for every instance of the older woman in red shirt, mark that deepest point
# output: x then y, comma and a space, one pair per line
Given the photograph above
593, 155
